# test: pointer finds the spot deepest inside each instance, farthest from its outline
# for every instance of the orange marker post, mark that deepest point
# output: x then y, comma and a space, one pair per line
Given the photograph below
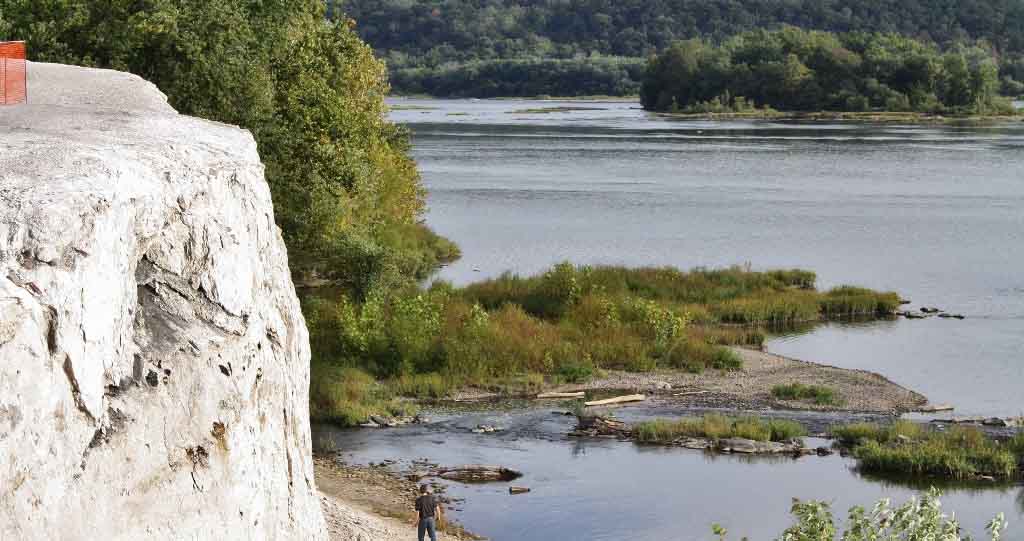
13, 73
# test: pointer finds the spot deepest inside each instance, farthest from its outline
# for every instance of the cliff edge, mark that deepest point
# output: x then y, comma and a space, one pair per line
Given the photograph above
154, 363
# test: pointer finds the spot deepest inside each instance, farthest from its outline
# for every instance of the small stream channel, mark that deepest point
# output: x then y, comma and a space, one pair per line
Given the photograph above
599, 489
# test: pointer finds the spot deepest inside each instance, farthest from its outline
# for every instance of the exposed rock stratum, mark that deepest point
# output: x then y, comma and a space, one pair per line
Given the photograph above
154, 363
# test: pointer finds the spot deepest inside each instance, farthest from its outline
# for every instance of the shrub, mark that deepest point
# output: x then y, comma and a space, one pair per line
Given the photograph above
819, 394
919, 518
575, 371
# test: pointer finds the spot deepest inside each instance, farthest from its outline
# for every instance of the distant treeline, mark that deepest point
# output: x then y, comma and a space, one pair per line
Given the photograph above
530, 77
798, 70
497, 38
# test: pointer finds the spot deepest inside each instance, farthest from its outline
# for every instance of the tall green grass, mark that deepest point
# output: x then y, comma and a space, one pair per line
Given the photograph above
819, 394
716, 427
348, 396
910, 449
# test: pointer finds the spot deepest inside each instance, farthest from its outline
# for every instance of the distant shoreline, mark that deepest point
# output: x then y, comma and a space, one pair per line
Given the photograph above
851, 116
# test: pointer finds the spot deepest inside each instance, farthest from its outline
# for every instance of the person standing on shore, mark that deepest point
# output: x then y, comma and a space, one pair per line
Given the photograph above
427, 512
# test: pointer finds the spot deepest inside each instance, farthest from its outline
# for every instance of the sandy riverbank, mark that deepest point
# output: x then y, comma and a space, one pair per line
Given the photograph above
369, 504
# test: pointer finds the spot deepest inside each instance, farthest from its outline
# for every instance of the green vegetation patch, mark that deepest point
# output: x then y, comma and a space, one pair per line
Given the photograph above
716, 427
473, 48
819, 394
516, 335
909, 449
790, 69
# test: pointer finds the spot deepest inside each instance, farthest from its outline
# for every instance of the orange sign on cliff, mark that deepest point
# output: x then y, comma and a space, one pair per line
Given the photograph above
13, 73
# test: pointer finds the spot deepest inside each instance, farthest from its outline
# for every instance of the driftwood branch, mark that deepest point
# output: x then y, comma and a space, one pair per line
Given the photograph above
616, 400
580, 394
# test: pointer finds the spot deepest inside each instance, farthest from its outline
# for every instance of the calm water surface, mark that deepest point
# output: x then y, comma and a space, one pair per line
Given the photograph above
616, 491
934, 212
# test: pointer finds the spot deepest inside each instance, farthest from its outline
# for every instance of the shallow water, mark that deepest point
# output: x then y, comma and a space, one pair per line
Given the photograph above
610, 490
934, 212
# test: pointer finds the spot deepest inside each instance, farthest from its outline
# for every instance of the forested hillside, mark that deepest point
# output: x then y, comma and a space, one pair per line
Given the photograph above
486, 48
799, 70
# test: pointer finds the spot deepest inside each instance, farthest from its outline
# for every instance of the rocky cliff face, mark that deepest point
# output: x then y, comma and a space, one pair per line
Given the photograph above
153, 358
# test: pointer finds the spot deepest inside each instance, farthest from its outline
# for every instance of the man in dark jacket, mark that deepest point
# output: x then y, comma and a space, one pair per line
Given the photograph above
427, 512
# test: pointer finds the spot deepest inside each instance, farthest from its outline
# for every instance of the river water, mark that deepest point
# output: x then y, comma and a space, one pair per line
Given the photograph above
933, 212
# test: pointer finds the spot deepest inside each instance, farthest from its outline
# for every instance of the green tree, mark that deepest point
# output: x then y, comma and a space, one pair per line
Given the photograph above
310, 91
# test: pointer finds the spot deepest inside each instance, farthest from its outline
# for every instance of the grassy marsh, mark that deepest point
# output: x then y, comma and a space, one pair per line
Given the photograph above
517, 335
908, 448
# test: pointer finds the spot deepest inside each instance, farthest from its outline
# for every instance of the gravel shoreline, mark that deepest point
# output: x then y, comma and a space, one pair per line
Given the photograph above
750, 387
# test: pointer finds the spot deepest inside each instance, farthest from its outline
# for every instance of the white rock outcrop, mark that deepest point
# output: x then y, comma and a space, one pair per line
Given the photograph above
154, 364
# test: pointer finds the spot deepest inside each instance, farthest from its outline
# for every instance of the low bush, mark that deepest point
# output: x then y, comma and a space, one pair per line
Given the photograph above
919, 518
819, 394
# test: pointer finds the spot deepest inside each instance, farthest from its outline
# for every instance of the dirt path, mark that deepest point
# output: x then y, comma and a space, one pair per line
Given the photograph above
750, 387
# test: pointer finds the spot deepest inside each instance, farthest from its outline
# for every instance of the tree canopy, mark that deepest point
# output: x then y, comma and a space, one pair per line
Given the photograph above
498, 37
799, 70
346, 193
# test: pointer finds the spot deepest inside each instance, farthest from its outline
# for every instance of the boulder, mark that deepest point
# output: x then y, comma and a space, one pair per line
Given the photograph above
155, 363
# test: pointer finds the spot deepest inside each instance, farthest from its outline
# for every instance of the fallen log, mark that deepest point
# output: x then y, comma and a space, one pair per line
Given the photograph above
616, 400
932, 408
518, 490
691, 393
580, 394
476, 473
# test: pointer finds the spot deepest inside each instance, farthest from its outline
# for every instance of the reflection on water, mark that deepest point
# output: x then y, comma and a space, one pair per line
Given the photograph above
932, 211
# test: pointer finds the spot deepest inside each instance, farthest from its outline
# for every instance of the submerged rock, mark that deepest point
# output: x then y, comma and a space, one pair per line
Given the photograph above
745, 446
478, 474
155, 363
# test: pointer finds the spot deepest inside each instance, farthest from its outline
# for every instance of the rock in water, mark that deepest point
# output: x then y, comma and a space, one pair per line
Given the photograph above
154, 363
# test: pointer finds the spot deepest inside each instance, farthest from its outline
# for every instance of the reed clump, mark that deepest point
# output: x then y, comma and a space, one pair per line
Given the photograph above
716, 427
909, 449
819, 394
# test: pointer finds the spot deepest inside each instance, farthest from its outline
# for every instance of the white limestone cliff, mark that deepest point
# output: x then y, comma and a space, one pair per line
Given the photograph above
154, 363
